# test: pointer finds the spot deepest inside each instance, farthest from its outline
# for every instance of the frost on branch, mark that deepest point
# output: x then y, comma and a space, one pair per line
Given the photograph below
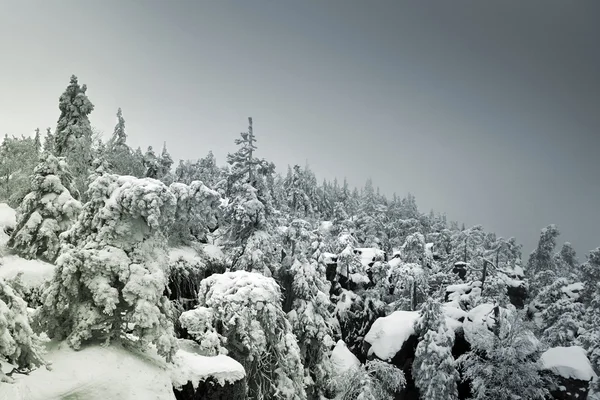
376, 380
245, 309
110, 278
20, 347
46, 212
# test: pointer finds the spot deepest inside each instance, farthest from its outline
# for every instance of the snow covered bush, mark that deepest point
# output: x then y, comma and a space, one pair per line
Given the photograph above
110, 278
196, 213
310, 318
46, 212
20, 347
240, 314
376, 380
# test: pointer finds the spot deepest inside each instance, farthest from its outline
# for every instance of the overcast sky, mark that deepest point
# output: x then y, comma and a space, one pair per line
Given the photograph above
486, 110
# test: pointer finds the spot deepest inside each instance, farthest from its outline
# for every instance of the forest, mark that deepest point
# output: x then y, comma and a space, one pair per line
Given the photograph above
245, 282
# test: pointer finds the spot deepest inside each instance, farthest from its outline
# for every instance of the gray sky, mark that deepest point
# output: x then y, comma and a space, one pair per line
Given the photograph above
486, 110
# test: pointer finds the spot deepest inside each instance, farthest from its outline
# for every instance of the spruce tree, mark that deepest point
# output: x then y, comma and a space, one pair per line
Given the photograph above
47, 211
73, 136
111, 277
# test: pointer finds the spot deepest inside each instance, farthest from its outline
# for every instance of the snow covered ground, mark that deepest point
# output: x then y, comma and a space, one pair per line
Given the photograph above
116, 373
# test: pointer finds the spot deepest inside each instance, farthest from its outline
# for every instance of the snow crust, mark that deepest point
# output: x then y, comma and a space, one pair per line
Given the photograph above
342, 359
568, 362
190, 366
388, 334
93, 373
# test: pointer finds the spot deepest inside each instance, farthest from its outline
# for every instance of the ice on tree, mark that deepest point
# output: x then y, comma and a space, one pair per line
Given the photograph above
46, 212
110, 278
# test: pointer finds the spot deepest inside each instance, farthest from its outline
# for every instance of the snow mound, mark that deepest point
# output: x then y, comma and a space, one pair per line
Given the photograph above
34, 272
190, 366
388, 334
185, 254
342, 359
568, 362
93, 373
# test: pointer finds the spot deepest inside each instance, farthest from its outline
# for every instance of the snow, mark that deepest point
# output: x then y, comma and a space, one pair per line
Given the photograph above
8, 216
367, 255
573, 290
342, 359
183, 253
190, 366
213, 252
388, 334
325, 226
328, 258
8, 219
34, 272
568, 362
93, 373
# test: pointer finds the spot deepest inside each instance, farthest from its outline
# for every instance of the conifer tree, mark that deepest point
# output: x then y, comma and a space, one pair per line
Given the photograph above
46, 212
110, 278
73, 136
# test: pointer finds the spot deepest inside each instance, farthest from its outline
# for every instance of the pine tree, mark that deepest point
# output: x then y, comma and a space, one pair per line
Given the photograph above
118, 154
73, 136
111, 275
541, 266
310, 320
433, 369
46, 212
503, 363
239, 313
375, 380
165, 163
242, 161
151, 164
49, 141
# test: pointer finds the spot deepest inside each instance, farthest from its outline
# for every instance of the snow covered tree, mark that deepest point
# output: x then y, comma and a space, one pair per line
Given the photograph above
310, 318
243, 161
375, 380
541, 266
204, 170
110, 278
434, 370
504, 362
73, 136
49, 141
46, 212
20, 347
118, 154
165, 163
560, 315
240, 314
151, 164
18, 158
196, 214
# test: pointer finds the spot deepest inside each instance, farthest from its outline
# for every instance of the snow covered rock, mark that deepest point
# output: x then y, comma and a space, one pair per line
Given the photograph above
571, 372
568, 362
195, 376
388, 334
